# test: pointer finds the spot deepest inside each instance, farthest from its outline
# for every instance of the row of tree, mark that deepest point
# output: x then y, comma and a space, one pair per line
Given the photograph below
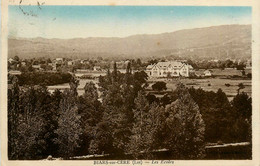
123, 120
44, 78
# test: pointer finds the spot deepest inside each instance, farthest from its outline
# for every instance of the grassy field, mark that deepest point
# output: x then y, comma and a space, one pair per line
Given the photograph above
82, 83
208, 84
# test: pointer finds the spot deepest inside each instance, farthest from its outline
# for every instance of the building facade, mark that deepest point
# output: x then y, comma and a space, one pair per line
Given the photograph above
169, 69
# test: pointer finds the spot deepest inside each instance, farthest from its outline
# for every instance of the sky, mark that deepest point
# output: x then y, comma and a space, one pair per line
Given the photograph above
116, 21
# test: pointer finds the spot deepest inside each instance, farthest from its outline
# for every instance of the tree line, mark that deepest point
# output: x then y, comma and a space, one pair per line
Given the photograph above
43, 78
122, 120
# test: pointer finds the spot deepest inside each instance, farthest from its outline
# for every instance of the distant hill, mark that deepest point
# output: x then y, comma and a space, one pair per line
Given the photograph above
217, 42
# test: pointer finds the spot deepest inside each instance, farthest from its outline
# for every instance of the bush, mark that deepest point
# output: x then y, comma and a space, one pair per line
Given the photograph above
152, 98
159, 86
228, 85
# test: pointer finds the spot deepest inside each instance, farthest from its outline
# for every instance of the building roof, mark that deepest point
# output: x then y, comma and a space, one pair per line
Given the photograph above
207, 71
173, 64
150, 66
190, 67
59, 59
36, 66
15, 72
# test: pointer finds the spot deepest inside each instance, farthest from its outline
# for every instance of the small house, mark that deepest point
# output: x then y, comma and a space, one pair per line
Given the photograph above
207, 73
70, 63
11, 60
97, 68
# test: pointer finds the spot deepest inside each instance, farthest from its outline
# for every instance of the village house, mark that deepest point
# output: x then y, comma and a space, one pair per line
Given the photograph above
170, 68
97, 68
11, 60
70, 63
84, 61
207, 73
37, 67
23, 63
59, 59
203, 73
248, 64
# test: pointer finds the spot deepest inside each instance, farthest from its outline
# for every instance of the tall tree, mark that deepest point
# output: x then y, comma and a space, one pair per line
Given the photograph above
144, 128
242, 105
185, 127
69, 131
16, 58
52, 117
74, 83
114, 73
90, 91
240, 86
13, 115
31, 127
242, 118
69, 125
216, 112
90, 109
31, 143
118, 103
128, 74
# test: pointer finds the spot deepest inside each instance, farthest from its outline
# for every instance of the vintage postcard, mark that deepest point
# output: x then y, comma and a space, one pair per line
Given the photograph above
130, 83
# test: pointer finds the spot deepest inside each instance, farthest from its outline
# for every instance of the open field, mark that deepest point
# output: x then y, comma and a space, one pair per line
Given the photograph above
82, 83
215, 84
209, 84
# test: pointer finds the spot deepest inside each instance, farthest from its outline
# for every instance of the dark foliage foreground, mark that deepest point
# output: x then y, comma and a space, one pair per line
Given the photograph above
127, 121
43, 78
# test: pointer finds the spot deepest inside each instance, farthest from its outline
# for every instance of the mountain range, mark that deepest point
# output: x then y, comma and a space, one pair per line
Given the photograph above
216, 42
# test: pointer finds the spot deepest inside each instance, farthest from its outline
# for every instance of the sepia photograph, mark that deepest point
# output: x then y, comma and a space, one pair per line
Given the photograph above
111, 82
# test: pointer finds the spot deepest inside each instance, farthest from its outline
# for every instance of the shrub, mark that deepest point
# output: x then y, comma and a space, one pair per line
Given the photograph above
228, 85
159, 86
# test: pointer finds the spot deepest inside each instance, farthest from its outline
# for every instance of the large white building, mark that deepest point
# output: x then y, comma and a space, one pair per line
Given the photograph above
170, 68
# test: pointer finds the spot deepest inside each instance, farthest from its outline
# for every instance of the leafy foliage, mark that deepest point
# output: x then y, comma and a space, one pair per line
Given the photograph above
68, 132
185, 127
27, 123
30, 143
242, 117
43, 78
119, 117
140, 139
223, 119
159, 86
69, 129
